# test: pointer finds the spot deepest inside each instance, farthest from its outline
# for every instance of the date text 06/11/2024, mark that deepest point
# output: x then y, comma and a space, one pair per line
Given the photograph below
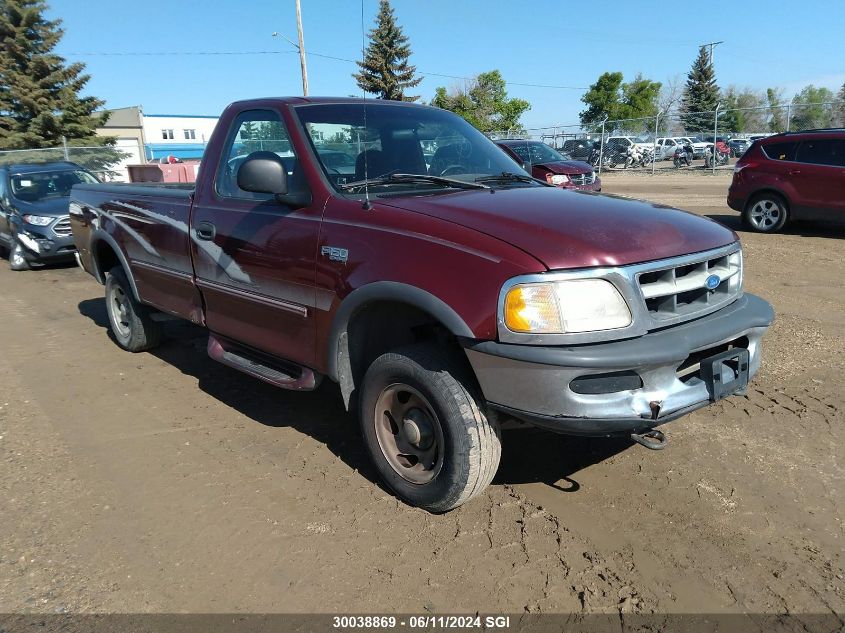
421, 621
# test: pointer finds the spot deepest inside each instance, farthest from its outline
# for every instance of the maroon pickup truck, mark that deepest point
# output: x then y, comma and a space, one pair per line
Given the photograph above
395, 250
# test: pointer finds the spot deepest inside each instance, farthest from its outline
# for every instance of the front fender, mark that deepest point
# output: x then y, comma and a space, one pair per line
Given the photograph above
387, 291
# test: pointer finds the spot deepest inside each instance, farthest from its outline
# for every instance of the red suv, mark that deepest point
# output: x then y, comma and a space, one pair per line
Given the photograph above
788, 176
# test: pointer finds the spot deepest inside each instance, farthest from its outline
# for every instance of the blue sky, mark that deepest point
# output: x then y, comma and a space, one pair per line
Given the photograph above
562, 43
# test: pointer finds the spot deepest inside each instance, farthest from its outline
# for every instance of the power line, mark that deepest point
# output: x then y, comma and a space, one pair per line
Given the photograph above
311, 53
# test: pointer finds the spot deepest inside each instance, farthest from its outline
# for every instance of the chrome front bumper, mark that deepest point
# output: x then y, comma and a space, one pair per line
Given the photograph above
533, 383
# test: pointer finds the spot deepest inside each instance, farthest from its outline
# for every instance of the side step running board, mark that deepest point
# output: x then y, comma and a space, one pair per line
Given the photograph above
281, 374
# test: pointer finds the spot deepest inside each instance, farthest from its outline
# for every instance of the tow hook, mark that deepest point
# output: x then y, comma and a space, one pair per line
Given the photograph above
652, 439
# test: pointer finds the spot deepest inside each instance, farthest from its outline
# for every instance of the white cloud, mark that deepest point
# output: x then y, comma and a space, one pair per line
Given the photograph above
834, 82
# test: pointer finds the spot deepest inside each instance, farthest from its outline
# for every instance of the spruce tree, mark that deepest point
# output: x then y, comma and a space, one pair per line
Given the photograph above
701, 95
385, 70
40, 99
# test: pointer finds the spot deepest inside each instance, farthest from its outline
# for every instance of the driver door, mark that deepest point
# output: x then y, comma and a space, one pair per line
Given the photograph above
255, 257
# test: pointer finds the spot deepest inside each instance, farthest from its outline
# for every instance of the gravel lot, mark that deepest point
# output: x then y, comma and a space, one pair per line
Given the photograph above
166, 482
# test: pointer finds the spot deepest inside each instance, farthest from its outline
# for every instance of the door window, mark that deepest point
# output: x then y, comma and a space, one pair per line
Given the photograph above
254, 131
822, 152
781, 151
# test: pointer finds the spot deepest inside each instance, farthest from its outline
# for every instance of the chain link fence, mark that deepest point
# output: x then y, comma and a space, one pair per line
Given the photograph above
703, 141
105, 162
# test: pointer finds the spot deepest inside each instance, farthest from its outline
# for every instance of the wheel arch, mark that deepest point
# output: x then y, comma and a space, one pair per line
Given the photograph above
399, 313
768, 189
106, 253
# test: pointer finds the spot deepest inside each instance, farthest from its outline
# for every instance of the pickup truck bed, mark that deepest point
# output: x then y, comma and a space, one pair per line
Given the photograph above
145, 228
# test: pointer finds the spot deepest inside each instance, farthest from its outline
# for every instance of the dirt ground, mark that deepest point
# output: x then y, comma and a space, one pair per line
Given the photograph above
164, 482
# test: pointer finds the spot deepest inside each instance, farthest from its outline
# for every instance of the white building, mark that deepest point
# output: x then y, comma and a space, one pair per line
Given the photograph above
180, 135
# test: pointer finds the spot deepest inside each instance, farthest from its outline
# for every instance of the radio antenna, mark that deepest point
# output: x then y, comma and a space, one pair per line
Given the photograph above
367, 206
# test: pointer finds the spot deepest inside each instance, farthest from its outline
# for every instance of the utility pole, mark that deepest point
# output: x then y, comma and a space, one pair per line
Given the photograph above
300, 47
712, 45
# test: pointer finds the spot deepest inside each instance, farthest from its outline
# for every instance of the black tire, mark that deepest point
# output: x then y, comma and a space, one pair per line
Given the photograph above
17, 258
129, 321
468, 444
766, 212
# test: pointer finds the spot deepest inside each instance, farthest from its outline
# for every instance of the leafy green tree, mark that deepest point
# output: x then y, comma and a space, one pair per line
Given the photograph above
777, 112
602, 100
40, 99
610, 97
639, 98
385, 70
701, 95
811, 108
744, 111
484, 102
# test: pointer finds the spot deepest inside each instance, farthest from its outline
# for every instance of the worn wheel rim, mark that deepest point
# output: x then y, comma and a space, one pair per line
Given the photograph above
408, 433
17, 255
118, 304
765, 214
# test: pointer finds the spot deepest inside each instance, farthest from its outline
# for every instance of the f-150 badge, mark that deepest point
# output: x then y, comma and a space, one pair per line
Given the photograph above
335, 254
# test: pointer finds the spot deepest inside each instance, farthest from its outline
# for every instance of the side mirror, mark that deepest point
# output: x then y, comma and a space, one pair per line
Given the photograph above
263, 172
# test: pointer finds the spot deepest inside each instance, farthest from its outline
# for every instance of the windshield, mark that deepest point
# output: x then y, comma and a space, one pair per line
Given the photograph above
401, 139
47, 184
535, 152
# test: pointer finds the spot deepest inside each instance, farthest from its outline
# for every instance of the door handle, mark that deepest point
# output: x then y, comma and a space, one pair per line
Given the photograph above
794, 172
206, 231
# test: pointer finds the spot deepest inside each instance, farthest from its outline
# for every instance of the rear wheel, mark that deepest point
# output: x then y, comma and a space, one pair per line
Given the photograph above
17, 257
766, 213
130, 322
426, 430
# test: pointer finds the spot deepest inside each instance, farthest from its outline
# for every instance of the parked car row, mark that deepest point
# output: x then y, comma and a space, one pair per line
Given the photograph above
664, 147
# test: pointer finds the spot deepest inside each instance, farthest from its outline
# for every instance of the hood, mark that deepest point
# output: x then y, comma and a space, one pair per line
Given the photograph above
53, 207
574, 229
566, 167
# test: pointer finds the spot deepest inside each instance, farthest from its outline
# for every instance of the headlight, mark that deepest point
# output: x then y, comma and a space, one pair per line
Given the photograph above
38, 220
557, 179
562, 307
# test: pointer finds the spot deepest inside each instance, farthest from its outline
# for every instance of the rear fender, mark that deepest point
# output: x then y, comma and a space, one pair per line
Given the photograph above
99, 236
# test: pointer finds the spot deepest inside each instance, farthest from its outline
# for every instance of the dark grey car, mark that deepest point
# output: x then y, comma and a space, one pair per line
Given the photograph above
34, 219
739, 146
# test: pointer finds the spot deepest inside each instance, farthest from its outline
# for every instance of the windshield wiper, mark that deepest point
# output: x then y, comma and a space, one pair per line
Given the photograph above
390, 179
507, 176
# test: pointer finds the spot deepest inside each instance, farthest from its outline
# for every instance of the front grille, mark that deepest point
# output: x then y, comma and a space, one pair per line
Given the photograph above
62, 227
681, 292
583, 179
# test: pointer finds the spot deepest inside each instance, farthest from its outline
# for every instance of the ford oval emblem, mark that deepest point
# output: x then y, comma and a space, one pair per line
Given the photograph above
712, 282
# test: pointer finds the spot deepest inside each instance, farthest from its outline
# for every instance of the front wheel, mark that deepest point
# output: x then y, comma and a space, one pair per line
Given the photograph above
766, 213
130, 322
17, 257
425, 429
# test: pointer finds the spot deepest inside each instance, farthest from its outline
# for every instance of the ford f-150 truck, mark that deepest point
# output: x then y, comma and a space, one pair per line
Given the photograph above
447, 292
